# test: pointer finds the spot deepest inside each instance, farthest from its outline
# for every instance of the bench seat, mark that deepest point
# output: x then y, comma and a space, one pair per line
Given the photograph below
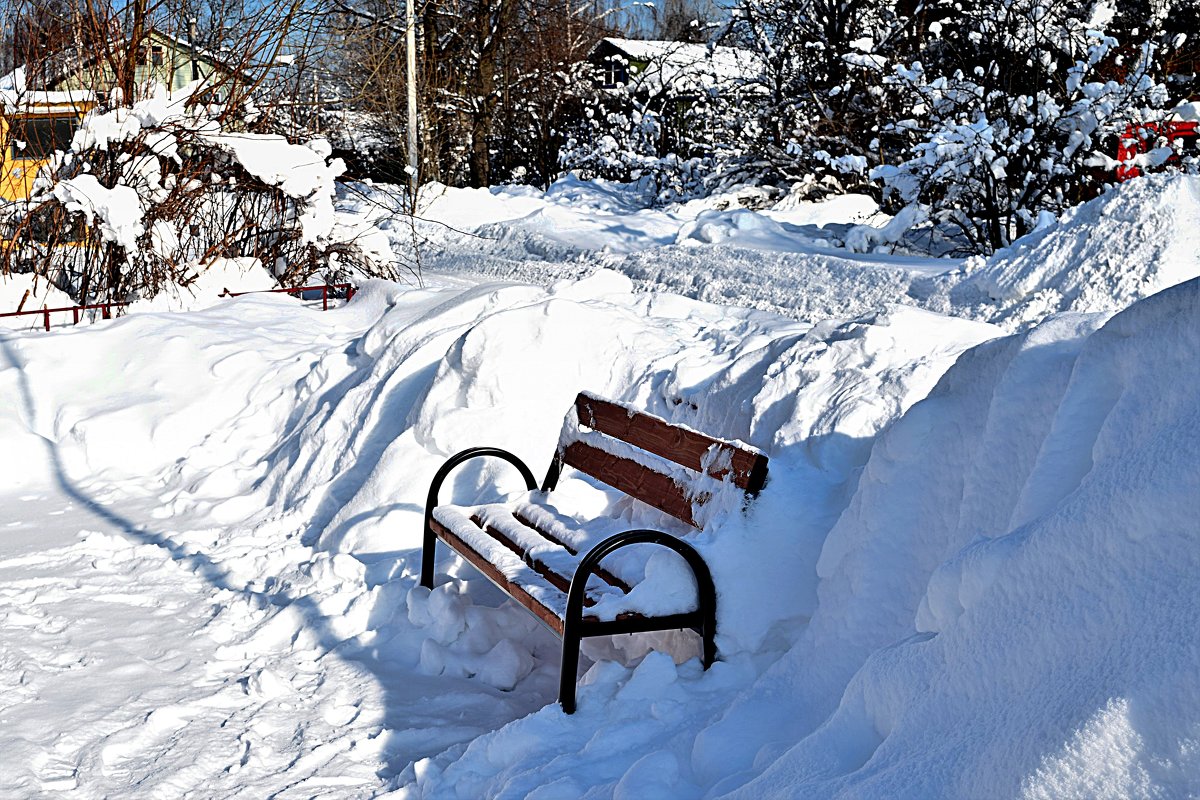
534, 563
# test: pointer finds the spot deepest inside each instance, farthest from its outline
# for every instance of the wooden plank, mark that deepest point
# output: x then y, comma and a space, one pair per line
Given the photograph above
548, 573
601, 572
511, 588
492, 573
634, 479
748, 469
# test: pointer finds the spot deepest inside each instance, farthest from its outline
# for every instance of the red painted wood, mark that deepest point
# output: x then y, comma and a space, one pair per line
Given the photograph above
635, 480
510, 588
685, 447
601, 573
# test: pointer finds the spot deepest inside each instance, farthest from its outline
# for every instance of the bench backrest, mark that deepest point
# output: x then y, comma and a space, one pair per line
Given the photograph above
675, 469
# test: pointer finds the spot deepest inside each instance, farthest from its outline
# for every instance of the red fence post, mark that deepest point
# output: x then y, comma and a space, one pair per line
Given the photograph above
325, 298
46, 312
105, 311
75, 315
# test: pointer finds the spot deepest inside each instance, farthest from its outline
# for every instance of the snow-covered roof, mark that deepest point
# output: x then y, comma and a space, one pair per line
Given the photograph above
15, 96
682, 65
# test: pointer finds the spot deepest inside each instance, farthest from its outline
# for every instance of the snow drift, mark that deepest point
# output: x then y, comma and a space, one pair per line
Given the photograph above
1135, 240
1001, 609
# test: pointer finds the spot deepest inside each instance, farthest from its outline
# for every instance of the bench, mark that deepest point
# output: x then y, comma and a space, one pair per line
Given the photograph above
550, 562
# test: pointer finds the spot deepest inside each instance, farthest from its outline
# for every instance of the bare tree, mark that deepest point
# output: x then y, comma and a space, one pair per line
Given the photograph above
162, 179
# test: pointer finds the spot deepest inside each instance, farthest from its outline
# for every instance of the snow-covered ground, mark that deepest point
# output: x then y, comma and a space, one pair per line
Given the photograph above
971, 573
799, 259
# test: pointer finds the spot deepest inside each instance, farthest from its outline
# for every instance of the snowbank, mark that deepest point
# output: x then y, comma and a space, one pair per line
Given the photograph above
1021, 597
793, 259
206, 285
1137, 239
290, 452
998, 611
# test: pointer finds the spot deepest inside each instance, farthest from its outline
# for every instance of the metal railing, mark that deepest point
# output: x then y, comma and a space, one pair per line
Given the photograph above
324, 290
104, 308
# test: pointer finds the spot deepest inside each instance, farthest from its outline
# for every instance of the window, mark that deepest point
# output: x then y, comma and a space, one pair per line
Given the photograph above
616, 72
41, 136
150, 57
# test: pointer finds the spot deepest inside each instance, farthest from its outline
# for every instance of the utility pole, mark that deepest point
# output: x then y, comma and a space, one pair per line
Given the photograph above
410, 19
192, 33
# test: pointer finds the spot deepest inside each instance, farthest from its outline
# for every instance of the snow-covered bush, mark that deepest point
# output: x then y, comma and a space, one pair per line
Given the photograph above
1012, 122
625, 144
810, 116
670, 123
625, 135
151, 192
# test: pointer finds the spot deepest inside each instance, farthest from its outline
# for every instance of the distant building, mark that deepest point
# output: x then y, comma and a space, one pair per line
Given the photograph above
40, 111
161, 59
678, 69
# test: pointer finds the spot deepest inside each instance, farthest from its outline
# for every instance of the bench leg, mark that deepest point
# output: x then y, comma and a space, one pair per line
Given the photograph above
568, 666
708, 632
573, 620
428, 551
430, 543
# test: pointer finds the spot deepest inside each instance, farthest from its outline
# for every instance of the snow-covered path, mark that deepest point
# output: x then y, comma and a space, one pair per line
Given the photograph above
137, 634
155, 638
167, 680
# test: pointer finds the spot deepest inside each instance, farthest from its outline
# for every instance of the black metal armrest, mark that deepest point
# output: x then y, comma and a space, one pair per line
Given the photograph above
574, 628
430, 540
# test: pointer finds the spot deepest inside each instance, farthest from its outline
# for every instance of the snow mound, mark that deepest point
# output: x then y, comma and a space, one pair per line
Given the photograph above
1014, 578
1002, 609
206, 285
1101, 256
971, 575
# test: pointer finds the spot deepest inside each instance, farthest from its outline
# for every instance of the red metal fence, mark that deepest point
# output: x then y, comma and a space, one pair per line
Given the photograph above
324, 290
1144, 137
106, 308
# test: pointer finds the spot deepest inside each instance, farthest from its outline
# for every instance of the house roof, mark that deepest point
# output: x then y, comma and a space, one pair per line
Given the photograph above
61, 65
684, 66
16, 96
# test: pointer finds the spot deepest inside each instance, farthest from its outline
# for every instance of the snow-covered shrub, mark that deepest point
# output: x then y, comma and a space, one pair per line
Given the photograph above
667, 124
151, 192
626, 144
810, 116
618, 137
1014, 120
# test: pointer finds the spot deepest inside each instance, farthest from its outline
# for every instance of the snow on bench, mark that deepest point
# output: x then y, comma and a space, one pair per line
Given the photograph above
546, 561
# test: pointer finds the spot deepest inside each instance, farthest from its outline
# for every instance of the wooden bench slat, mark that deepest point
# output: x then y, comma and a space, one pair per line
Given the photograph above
539, 551
514, 588
747, 468
601, 572
634, 479
510, 587
553, 577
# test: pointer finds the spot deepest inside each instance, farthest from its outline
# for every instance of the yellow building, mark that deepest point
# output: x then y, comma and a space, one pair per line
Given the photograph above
32, 126
37, 121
